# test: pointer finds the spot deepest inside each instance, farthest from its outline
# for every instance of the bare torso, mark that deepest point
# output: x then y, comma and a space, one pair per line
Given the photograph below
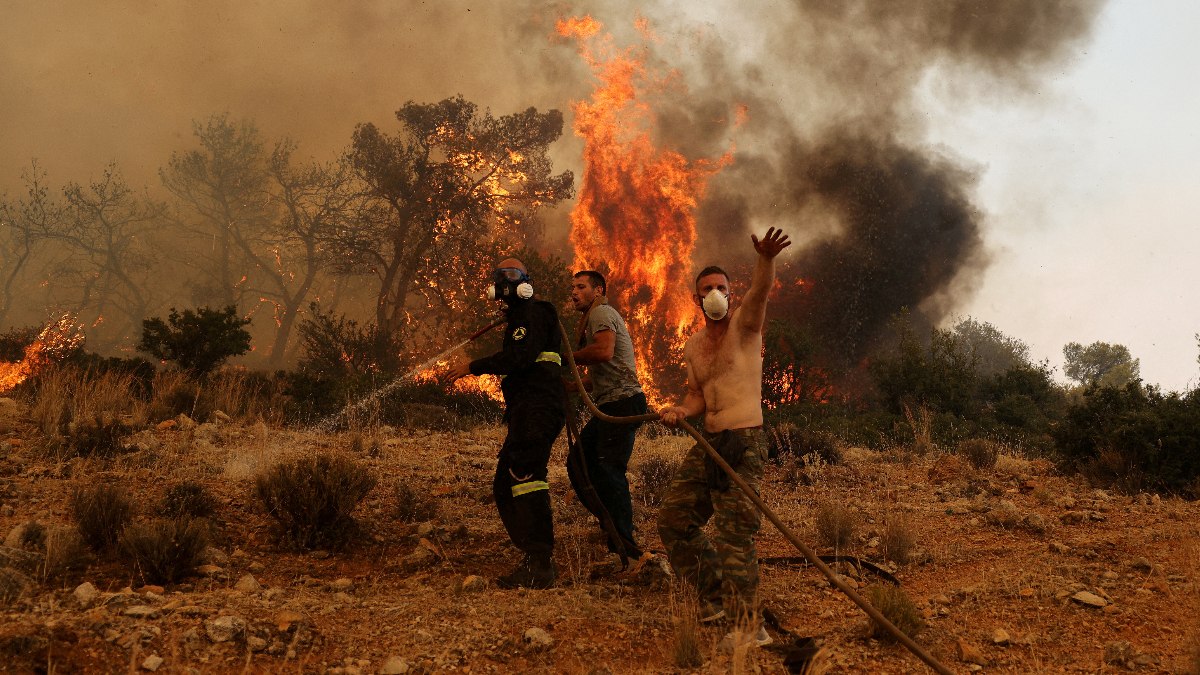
728, 370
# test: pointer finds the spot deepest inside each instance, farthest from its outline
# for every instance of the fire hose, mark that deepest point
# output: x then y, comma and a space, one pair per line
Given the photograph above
787, 532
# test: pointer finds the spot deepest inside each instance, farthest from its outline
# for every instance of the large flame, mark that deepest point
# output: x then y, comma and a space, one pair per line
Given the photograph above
635, 214
54, 341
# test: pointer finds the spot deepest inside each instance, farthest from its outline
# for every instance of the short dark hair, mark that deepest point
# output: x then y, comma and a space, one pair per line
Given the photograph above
711, 269
596, 278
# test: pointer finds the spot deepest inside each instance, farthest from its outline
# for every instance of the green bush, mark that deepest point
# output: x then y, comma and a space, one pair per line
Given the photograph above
198, 341
165, 551
102, 511
312, 498
1135, 438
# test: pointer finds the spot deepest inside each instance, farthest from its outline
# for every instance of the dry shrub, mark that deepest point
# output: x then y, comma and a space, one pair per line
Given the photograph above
898, 539
787, 438
102, 511
98, 436
311, 498
921, 425
655, 473
894, 604
190, 499
165, 551
980, 452
836, 525
64, 552
413, 505
13, 585
67, 393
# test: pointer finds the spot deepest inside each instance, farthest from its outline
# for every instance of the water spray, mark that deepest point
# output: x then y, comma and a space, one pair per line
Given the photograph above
372, 398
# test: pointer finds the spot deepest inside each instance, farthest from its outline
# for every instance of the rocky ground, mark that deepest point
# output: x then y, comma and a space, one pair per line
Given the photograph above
1014, 569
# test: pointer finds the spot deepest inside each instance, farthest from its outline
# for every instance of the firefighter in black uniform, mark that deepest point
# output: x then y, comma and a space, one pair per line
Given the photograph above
530, 364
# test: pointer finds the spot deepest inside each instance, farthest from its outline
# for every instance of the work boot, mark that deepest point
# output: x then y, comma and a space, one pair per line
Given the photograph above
534, 571
738, 637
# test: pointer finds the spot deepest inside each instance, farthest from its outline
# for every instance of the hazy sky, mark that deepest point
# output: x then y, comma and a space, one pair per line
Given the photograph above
1091, 194
1084, 184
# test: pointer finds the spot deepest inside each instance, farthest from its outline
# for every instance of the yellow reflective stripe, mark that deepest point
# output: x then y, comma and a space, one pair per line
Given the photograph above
530, 486
552, 357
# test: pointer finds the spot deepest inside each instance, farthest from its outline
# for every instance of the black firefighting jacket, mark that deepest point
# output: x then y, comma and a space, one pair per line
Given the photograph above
530, 361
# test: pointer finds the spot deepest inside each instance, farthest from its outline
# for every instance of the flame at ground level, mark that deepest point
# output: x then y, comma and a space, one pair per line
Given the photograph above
54, 341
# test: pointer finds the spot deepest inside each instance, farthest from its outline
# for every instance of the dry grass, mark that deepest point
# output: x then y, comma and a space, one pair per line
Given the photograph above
312, 498
837, 525
414, 505
685, 628
190, 499
64, 552
898, 539
65, 394
656, 461
921, 425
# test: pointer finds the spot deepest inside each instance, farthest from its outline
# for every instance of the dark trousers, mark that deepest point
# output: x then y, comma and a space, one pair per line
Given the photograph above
607, 448
524, 502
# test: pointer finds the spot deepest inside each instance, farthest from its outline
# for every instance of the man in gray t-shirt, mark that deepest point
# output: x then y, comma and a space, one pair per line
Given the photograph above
604, 346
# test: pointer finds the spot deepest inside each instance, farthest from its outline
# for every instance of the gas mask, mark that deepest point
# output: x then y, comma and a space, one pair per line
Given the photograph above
715, 305
509, 284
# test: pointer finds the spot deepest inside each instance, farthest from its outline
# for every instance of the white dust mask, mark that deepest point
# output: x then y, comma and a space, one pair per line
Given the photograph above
716, 305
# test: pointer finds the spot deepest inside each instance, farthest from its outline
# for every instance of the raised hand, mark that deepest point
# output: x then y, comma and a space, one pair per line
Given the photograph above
771, 244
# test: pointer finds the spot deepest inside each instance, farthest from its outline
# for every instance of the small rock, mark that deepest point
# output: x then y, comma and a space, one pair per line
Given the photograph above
85, 594
286, 618
394, 666
220, 416
214, 556
342, 584
210, 571
166, 425
969, 653
185, 423
152, 662
344, 598
539, 638
1026, 593
847, 580
472, 584
1072, 517
224, 628
152, 590
941, 599
1089, 599
1109, 574
141, 612
1142, 565
257, 566
426, 528
247, 584
421, 557
255, 643
1000, 637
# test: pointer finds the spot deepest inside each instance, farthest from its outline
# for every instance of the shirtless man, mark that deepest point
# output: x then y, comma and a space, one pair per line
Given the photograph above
724, 370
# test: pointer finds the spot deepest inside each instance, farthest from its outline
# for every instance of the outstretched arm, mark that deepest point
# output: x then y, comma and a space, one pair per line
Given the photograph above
753, 313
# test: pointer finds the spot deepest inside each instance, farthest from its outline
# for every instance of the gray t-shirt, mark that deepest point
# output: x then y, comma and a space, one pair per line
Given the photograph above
615, 379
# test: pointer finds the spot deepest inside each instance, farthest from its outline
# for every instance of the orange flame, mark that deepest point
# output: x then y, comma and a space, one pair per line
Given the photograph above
54, 341
487, 385
636, 207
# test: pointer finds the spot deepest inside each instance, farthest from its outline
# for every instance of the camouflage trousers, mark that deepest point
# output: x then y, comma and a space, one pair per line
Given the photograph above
723, 568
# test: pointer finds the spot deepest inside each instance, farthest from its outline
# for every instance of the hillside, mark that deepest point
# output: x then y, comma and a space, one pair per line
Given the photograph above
998, 559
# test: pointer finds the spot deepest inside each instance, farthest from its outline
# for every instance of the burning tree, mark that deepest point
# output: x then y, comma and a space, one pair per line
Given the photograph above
636, 211
447, 192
